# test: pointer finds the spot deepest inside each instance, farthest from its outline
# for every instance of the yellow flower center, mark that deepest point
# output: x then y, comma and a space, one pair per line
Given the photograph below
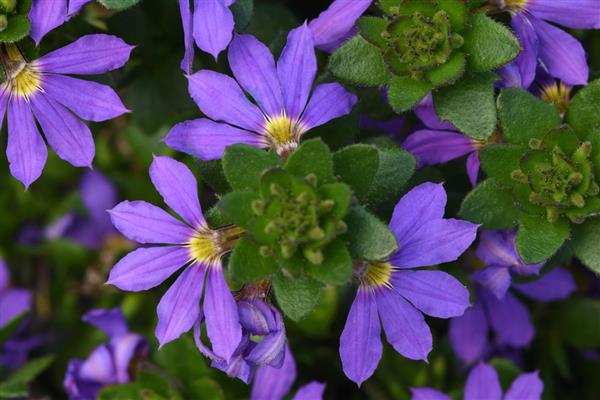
558, 94
377, 274
515, 6
23, 79
205, 246
283, 133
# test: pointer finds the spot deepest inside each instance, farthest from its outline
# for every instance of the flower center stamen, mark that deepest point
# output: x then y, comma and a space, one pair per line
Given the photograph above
283, 133
558, 94
377, 274
23, 79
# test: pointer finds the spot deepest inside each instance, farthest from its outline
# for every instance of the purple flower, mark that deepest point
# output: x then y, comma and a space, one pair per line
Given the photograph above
496, 308
13, 301
561, 54
175, 244
110, 363
336, 24
210, 25
58, 102
258, 319
391, 291
46, 15
284, 111
274, 383
441, 142
483, 383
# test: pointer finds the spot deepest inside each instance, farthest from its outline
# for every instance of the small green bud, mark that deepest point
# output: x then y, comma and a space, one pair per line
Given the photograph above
558, 197
518, 176
575, 178
594, 189
312, 179
535, 198
316, 233
276, 190
327, 205
266, 251
551, 214
583, 152
7, 6
287, 250
577, 200
315, 256
258, 207
3, 22
457, 40
535, 143
302, 198
272, 229
341, 228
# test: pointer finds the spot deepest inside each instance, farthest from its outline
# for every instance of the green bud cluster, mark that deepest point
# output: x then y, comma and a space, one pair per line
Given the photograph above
295, 215
14, 20
556, 174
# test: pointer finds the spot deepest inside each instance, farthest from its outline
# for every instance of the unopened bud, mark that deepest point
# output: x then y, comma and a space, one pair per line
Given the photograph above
535, 198
535, 143
258, 207
287, 250
302, 198
312, 179
551, 214
276, 189
327, 205
7, 6
518, 176
457, 40
341, 227
575, 178
583, 152
272, 229
316, 233
577, 200
594, 189
315, 256
3, 22
266, 251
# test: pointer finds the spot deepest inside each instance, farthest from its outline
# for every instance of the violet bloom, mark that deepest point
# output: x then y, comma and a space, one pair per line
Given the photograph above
46, 15
441, 142
496, 308
390, 291
483, 383
175, 244
13, 301
58, 102
110, 363
274, 383
258, 320
561, 54
283, 112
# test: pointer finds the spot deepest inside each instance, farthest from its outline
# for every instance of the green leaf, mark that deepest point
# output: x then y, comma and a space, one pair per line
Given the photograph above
490, 205
372, 29
340, 193
336, 268
237, 207
538, 239
211, 172
127, 391
311, 157
357, 166
297, 297
523, 116
488, 43
404, 93
457, 12
368, 237
10, 327
17, 382
469, 105
118, 4
242, 13
448, 72
246, 264
359, 62
243, 165
396, 167
18, 27
585, 243
499, 160
174, 357
584, 111
579, 322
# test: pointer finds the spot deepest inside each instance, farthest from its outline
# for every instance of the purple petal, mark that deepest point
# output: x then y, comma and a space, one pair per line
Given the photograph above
220, 310
220, 98
334, 24
527, 59
89, 100
88, 55
469, 334
296, 68
68, 136
526, 387
494, 278
435, 243
426, 113
254, 68
237, 367
577, 14
390, 126
4, 276
256, 316
212, 25
75, 5
437, 147
98, 194
498, 248
422, 204
510, 75
26, 150
13, 302
46, 15
483, 383
179, 308
125, 348
207, 139
328, 101
435, 293
268, 349
473, 167
99, 366
557, 284
272, 383
509, 319
146, 223
178, 188
360, 342
428, 394
110, 321
561, 53
188, 38
405, 327
145, 268
311, 391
